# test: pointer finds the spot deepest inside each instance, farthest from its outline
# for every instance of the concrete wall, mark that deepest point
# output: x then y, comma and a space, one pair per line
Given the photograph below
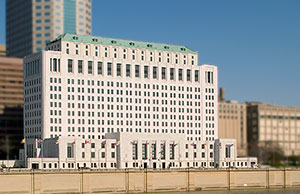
121, 181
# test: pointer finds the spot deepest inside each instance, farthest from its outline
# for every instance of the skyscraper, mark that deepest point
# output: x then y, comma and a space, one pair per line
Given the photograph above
30, 24
11, 107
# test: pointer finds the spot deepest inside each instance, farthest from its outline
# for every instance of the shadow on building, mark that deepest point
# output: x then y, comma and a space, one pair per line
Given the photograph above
11, 132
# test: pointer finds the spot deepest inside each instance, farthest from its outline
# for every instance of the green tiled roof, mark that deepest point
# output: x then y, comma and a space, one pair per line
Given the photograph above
124, 43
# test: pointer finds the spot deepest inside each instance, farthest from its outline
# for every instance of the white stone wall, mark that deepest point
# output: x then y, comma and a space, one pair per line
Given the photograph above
116, 151
187, 107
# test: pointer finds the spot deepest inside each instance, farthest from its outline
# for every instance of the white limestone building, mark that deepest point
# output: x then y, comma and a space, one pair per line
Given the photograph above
94, 89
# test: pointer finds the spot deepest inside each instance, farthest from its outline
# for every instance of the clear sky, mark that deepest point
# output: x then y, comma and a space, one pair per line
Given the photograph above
255, 43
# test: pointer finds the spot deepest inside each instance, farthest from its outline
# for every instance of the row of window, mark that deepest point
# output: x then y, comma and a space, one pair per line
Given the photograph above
117, 53
137, 71
131, 85
32, 67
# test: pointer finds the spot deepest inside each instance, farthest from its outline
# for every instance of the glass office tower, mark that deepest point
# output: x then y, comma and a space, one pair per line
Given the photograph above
30, 24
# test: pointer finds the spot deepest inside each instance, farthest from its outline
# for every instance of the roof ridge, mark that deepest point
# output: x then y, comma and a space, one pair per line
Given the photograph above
126, 43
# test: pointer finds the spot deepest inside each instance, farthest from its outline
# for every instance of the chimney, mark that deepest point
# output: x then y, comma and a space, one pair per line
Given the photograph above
222, 95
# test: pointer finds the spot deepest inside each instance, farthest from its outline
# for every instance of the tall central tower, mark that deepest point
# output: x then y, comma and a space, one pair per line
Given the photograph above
88, 86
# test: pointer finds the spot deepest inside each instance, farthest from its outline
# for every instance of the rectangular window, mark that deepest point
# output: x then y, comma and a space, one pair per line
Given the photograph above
70, 65
227, 151
119, 71
146, 71
90, 67
54, 65
154, 72
172, 152
80, 68
99, 68
188, 75
128, 70
180, 74
50, 65
172, 74
153, 148
196, 75
209, 77
137, 71
163, 73
163, 151
144, 151
134, 151
109, 69
70, 150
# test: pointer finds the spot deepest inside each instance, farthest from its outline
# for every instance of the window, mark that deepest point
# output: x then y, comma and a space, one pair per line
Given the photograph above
134, 152
196, 75
70, 150
80, 66
137, 71
119, 69
227, 151
70, 65
163, 73
163, 151
99, 68
90, 67
153, 148
209, 77
172, 74
188, 75
109, 69
154, 72
92, 154
54, 65
144, 151
180, 74
146, 71
127, 70
113, 145
172, 152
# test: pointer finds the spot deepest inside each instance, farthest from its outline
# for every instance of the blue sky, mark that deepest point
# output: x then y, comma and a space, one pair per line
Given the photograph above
255, 43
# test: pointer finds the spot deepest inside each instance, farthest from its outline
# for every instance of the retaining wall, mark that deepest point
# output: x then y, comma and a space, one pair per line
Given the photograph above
133, 181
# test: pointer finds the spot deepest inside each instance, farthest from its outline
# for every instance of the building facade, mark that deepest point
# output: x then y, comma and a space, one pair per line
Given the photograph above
2, 50
278, 126
111, 86
137, 93
122, 150
11, 107
31, 24
233, 122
